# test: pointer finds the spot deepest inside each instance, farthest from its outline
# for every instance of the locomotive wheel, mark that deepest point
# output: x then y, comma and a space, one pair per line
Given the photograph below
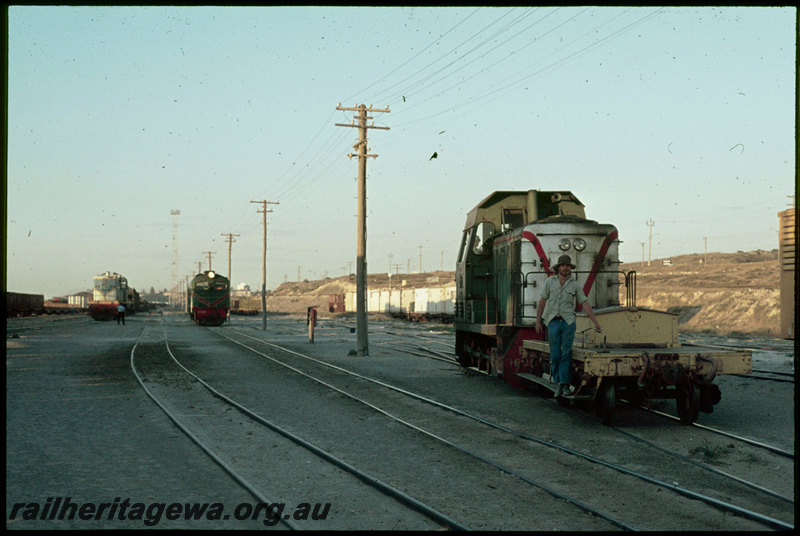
605, 401
688, 402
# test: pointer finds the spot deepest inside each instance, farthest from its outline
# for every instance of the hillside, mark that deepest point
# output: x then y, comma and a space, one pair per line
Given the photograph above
730, 293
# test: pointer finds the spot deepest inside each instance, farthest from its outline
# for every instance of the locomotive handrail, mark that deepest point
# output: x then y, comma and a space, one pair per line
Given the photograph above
582, 332
519, 279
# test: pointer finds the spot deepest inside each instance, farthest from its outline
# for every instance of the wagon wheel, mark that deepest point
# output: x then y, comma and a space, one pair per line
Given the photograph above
688, 402
605, 402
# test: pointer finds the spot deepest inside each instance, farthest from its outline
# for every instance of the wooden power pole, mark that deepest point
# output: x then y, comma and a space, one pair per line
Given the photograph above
231, 240
264, 211
209, 253
650, 224
361, 232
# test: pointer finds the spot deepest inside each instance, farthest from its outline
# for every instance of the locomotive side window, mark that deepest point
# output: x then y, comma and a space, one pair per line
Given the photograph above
483, 231
465, 239
513, 217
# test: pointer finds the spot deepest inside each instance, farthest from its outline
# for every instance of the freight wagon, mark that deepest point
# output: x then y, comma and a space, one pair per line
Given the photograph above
19, 304
412, 303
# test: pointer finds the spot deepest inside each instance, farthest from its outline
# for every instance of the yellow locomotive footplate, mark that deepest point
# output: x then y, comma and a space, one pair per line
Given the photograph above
637, 340
632, 361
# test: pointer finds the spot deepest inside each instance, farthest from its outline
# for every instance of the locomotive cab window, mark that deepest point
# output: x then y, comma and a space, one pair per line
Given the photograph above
465, 239
513, 217
483, 231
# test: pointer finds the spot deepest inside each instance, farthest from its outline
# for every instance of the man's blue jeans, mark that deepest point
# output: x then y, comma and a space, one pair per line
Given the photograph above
560, 336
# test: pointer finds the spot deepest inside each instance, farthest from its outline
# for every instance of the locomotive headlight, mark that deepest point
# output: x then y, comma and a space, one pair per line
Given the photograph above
211, 275
580, 244
563, 244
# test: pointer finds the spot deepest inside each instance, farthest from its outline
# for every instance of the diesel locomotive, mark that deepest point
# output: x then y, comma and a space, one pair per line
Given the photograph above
110, 290
209, 298
509, 246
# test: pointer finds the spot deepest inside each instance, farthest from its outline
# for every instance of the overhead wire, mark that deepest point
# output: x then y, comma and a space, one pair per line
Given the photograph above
507, 56
412, 58
285, 189
511, 54
507, 87
295, 181
408, 88
287, 184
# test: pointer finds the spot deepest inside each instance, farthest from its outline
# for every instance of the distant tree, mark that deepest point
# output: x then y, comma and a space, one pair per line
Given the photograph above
152, 290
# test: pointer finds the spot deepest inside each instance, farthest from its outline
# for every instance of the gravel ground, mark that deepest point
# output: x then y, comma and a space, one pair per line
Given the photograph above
79, 426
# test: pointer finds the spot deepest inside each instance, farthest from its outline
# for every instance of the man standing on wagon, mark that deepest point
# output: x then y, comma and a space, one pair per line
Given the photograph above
557, 308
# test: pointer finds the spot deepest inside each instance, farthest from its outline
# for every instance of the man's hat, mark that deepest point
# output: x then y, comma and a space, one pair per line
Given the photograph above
564, 259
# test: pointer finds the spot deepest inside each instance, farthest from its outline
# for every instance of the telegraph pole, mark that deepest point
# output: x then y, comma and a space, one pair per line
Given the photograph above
642, 243
209, 253
231, 240
650, 224
264, 211
361, 254
175, 213
705, 251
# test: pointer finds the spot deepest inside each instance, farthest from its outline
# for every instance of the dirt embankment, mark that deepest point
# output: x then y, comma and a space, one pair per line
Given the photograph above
717, 293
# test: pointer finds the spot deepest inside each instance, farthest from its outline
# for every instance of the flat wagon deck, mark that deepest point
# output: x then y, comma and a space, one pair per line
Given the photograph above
637, 357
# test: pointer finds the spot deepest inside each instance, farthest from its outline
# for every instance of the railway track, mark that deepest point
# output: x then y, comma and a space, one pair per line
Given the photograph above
361, 486
768, 375
768, 499
16, 326
468, 451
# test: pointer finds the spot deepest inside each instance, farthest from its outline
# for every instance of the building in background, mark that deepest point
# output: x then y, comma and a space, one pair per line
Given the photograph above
242, 290
80, 300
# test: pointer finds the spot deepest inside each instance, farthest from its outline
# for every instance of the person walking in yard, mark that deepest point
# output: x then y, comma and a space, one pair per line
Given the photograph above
556, 308
121, 314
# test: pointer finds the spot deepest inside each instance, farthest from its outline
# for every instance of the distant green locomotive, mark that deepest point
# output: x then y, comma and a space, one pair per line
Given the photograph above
209, 298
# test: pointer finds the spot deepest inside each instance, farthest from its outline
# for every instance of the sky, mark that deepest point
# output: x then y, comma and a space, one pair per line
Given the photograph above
675, 124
